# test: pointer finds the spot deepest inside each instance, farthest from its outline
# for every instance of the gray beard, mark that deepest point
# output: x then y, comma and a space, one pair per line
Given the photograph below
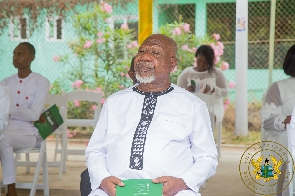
145, 80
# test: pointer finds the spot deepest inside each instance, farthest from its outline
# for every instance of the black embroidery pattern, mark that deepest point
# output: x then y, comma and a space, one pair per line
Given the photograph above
137, 148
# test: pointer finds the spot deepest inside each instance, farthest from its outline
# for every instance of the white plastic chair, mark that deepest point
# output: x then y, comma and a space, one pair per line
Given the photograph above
83, 96
60, 133
42, 161
61, 102
210, 100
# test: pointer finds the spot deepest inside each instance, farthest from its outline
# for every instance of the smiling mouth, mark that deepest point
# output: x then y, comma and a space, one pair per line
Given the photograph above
145, 67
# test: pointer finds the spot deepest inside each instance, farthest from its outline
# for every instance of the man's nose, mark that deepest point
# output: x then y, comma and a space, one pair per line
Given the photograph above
146, 57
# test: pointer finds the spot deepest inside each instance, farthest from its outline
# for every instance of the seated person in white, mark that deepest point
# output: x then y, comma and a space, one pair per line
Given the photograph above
152, 130
28, 91
278, 104
208, 78
4, 107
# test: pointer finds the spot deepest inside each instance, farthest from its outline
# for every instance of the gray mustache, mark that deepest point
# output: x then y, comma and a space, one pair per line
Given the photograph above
146, 64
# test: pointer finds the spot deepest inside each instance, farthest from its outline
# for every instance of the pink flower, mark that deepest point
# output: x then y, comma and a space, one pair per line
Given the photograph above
220, 45
226, 103
78, 83
224, 65
77, 103
174, 70
124, 26
102, 100
88, 44
120, 86
98, 89
74, 132
107, 20
133, 44
105, 7
176, 31
122, 74
100, 34
93, 107
100, 40
127, 76
194, 49
56, 58
216, 60
186, 27
69, 134
76, 54
216, 36
185, 47
73, 85
231, 84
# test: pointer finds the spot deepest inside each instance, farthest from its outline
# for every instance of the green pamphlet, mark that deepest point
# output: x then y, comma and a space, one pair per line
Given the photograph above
53, 121
137, 187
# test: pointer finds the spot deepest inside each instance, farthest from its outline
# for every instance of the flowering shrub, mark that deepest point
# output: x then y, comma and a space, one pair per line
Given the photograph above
187, 44
100, 56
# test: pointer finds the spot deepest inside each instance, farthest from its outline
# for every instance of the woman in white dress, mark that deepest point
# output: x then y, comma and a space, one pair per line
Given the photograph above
207, 79
279, 102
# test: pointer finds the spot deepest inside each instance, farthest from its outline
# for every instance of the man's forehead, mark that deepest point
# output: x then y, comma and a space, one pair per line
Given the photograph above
154, 42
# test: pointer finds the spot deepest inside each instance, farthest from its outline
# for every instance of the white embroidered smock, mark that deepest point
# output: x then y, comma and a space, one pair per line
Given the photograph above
142, 135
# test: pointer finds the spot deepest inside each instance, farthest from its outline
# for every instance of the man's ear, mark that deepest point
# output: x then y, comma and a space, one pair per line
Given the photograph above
32, 57
173, 62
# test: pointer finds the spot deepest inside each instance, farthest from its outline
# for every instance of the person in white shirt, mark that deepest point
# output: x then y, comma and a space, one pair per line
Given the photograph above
207, 75
4, 107
152, 130
28, 91
276, 111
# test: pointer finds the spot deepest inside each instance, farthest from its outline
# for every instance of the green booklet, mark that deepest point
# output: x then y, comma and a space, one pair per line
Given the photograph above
53, 121
137, 187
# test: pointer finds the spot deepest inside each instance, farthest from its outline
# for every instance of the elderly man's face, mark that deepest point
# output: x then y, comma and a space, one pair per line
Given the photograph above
153, 60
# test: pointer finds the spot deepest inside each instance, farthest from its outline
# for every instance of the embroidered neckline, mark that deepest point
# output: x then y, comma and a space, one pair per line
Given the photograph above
168, 90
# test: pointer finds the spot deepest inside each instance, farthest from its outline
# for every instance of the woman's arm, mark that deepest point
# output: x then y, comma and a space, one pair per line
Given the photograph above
220, 89
272, 118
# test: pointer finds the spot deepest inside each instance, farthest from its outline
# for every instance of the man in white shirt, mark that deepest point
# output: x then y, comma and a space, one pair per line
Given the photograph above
28, 91
4, 107
152, 130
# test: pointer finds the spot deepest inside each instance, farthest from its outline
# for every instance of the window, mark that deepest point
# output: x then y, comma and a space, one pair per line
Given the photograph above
116, 22
131, 20
54, 29
19, 30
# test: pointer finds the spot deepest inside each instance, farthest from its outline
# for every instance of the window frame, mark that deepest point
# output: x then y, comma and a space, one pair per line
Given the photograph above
12, 28
47, 29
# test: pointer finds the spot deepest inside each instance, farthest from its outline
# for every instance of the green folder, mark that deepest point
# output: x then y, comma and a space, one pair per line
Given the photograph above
53, 121
138, 187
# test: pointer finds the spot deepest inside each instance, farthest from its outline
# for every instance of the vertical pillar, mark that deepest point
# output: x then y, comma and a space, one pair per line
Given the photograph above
145, 26
241, 126
271, 40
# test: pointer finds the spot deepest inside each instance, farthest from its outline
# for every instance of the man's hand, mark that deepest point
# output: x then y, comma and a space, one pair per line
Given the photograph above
108, 185
287, 121
171, 185
42, 119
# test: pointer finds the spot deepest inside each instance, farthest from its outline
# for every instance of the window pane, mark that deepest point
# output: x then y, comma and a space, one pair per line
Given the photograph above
23, 25
51, 28
58, 29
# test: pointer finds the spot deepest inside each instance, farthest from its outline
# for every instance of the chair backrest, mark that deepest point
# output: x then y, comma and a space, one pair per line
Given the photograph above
87, 96
209, 100
60, 101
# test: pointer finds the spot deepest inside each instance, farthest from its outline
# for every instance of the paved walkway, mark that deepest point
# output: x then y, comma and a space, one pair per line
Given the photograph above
226, 182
